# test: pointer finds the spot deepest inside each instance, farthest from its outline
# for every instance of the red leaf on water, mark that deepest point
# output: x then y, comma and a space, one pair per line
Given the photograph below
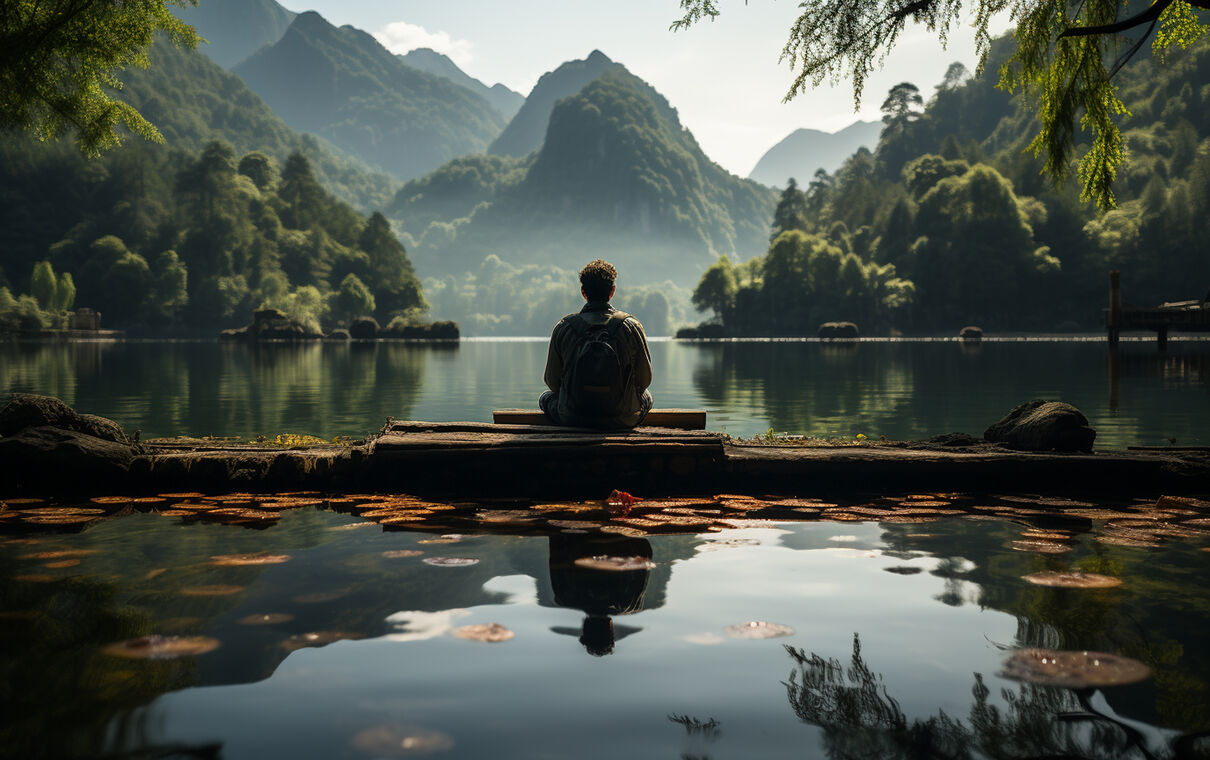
620, 502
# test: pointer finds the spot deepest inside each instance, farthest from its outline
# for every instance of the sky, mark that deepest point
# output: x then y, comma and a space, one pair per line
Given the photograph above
723, 77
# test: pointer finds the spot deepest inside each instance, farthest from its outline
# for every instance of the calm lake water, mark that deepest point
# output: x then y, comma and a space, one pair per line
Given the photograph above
903, 389
895, 637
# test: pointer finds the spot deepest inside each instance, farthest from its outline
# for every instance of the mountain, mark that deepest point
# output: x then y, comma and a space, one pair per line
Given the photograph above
804, 151
192, 101
235, 29
502, 99
524, 134
617, 176
340, 83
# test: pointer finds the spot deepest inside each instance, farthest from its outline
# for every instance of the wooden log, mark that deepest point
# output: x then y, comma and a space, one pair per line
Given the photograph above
682, 419
1115, 307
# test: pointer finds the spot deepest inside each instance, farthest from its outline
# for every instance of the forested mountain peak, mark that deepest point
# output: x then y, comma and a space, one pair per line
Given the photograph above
235, 29
804, 151
506, 101
524, 134
617, 176
342, 84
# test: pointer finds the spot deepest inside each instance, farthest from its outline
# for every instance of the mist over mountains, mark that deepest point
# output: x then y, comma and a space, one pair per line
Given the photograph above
235, 29
342, 84
502, 99
805, 151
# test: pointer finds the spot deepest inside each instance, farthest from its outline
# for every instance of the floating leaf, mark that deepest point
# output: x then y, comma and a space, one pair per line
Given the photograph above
237, 560
616, 564
624, 530
448, 538
393, 740
450, 561
319, 597
758, 629
1040, 546
1072, 579
1076, 670
1118, 539
489, 632
402, 553
268, 618
183, 495
161, 647
579, 524
217, 589
317, 639
60, 554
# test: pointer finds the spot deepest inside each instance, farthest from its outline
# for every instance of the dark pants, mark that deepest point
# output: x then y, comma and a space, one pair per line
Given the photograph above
548, 402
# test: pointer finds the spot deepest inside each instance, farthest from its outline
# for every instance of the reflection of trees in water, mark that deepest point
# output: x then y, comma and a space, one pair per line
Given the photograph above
226, 389
860, 719
809, 388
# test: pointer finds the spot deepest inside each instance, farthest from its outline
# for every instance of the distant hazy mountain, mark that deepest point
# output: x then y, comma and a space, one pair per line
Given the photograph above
524, 134
617, 176
235, 29
805, 151
503, 99
340, 83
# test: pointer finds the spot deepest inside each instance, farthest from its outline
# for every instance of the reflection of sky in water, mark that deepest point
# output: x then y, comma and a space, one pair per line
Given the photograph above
903, 389
542, 695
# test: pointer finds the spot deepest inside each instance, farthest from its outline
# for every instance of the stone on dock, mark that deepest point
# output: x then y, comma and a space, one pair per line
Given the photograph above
1041, 425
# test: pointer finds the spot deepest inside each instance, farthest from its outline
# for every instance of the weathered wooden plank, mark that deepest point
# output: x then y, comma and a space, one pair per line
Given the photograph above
684, 419
408, 426
464, 440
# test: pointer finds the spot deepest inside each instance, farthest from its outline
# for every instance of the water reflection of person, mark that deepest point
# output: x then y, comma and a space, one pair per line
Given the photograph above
599, 593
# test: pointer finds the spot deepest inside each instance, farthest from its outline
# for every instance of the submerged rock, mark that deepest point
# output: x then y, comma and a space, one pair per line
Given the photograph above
1041, 425
491, 633
1072, 579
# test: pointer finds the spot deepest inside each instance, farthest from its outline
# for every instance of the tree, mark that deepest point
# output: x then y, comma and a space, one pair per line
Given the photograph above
353, 300
791, 213
902, 105
59, 61
42, 285
1059, 62
716, 291
65, 292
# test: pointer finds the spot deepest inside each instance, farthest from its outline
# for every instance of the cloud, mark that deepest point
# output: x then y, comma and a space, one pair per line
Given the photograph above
401, 37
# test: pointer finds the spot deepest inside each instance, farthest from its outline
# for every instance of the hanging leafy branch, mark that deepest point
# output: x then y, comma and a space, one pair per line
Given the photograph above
1060, 62
60, 60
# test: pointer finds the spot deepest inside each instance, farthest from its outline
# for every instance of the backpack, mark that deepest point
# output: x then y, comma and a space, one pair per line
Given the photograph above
597, 376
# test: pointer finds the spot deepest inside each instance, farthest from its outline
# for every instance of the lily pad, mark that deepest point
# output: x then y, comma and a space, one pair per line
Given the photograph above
1040, 546
487, 632
615, 564
161, 647
1072, 579
319, 597
758, 629
1076, 670
317, 639
393, 740
268, 618
238, 560
450, 561
217, 589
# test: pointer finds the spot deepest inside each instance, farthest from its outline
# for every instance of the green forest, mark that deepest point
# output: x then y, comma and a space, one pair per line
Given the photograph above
949, 222
174, 242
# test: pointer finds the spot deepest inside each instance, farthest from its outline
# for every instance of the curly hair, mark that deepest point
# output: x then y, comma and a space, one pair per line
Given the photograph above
597, 279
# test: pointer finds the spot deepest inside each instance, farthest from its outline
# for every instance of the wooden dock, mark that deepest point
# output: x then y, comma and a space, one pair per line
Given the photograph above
1181, 316
468, 460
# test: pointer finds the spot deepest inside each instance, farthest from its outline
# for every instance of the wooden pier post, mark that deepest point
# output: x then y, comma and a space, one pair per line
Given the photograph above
1161, 337
1115, 307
